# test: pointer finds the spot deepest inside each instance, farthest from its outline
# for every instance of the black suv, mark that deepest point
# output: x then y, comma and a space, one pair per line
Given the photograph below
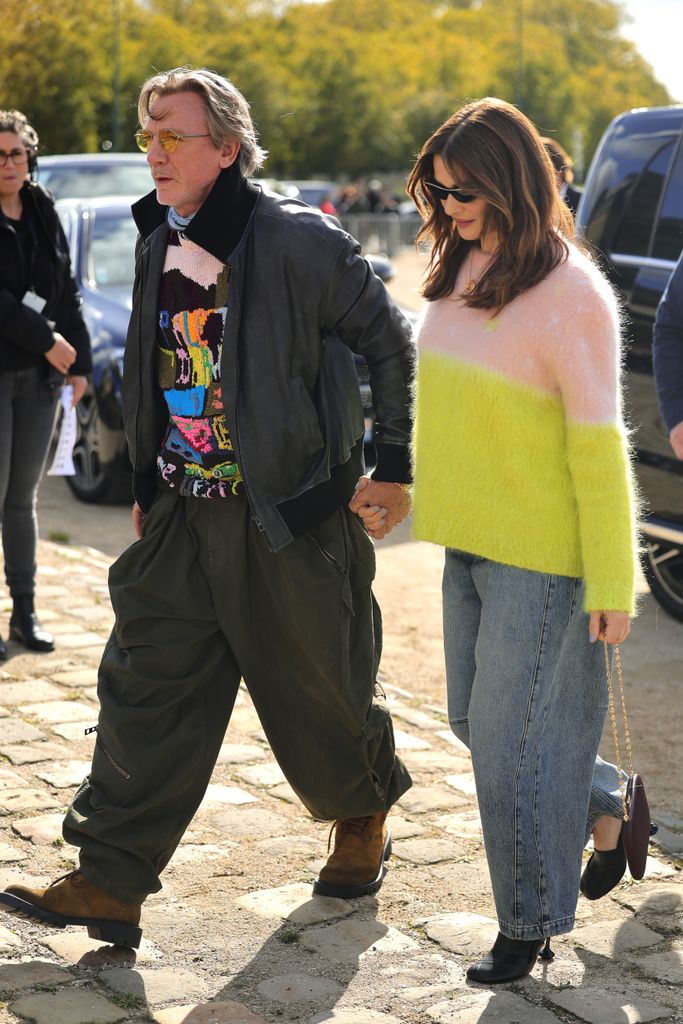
631, 211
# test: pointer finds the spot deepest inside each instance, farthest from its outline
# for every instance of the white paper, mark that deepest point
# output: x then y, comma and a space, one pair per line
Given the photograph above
34, 302
63, 463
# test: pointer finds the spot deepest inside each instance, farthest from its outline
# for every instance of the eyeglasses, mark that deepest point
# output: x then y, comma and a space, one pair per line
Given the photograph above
17, 156
441, 192
168, 139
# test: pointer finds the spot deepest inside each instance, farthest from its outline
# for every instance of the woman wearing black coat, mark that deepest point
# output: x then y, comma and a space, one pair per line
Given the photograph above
43, 343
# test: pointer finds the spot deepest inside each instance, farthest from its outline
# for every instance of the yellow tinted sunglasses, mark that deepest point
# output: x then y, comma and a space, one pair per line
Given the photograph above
168, 139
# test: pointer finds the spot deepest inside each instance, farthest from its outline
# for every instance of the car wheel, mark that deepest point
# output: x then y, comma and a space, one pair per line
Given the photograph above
89, 482
663, 567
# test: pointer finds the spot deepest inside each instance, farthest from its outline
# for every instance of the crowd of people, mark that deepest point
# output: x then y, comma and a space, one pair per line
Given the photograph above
255, 520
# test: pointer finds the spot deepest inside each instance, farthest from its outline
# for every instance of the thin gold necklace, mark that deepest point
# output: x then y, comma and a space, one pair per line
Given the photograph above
471, 281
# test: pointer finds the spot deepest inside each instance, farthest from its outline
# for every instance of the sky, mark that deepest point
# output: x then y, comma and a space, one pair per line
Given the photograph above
657, 28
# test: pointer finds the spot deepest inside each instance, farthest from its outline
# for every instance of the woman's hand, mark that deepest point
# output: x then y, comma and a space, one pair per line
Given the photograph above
61, 355
613, 627
79, 384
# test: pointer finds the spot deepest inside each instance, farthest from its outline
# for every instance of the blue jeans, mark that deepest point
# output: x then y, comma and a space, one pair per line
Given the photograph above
28, 409
527, 693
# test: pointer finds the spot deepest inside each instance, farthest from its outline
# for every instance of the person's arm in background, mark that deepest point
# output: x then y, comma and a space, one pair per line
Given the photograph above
667, 357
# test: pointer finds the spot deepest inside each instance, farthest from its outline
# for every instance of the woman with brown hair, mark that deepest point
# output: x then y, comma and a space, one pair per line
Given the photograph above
522, 474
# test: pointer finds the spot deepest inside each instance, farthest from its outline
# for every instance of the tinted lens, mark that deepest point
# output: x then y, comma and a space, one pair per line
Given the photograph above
18, 156
144, 140
168, 140
441, 192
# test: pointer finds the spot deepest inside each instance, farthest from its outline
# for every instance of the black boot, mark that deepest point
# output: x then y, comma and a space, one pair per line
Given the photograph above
3, 649
509, 959
25, 628
604, 870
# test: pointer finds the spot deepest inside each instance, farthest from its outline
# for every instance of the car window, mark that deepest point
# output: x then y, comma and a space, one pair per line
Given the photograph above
111, 263
633, 236
93, 181
668, 241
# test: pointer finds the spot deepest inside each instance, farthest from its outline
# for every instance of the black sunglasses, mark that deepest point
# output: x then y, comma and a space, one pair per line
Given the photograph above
441, 192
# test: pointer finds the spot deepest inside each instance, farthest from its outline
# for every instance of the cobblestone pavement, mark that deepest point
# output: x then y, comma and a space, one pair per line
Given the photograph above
235, 935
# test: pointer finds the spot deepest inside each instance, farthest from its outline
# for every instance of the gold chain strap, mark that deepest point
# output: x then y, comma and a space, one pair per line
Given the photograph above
613, 720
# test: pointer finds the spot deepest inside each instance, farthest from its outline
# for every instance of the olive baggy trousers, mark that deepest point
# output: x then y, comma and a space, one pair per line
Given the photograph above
201, 602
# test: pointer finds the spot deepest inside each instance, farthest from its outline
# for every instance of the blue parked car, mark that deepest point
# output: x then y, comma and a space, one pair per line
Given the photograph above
101, 234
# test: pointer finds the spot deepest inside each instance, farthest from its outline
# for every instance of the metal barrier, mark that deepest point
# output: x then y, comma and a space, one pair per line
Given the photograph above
381, 232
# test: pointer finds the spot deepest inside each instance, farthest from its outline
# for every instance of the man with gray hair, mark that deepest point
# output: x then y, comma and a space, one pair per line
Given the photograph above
245, 431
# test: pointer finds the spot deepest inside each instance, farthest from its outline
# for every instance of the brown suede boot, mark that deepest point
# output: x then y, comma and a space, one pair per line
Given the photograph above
72, 899
356, 866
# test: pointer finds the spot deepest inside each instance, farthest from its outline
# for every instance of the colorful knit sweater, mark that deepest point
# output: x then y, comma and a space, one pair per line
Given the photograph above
196, 457
521, 455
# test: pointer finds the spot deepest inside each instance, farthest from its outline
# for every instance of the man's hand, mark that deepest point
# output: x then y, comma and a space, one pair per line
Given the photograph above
138, 519
61, 355
613, 627
381, 505
676, 438
79, 384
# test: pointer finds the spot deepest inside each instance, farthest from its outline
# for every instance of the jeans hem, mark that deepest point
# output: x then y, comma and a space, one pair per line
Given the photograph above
544, 930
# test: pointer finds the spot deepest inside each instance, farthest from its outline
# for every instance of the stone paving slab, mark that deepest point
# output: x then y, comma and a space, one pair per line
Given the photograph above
32, 753
217, 795
242, 753
9, 941
452, 739
427, 851
76, 947
462, 932
600, 1006
464, 783
416, 718
289, 846
74, 732
670, 842
11, 854
16, 731
33, 691
261, 774
63, 776
40, 831
76, 677
69, 1007
424, 976
359, 1015
155, 987
295, 903
76, 640
248, 822
56, 712
11, 780
208, 1013
300, 988
661, 898
406, 741
664, 966
422, 799
19, 801
352, 940
465, 823
490, 1008
15, 977
611, 937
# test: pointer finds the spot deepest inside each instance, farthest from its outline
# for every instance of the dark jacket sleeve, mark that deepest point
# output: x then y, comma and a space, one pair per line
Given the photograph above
667, 349
359, 309
22, 326
67, 312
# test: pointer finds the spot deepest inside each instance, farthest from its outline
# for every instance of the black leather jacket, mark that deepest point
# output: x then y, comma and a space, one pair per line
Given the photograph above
301, 300
49, 272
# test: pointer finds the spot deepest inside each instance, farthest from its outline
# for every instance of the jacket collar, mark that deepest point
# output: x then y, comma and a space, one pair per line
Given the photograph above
219, 224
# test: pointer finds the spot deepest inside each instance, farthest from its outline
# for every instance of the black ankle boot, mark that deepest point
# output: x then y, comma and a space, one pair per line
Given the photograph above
25, 628
509, 959
604, 870
3, 649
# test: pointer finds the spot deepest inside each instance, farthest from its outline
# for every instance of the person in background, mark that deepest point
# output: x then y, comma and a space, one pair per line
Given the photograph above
667, 355
327, 206
522, 473
43, 343
563, 163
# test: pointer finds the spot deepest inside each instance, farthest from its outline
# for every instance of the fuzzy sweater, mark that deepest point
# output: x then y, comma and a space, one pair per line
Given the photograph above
521, 455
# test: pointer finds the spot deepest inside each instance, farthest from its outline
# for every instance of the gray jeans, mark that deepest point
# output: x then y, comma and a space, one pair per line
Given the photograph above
28, 409
527, 693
